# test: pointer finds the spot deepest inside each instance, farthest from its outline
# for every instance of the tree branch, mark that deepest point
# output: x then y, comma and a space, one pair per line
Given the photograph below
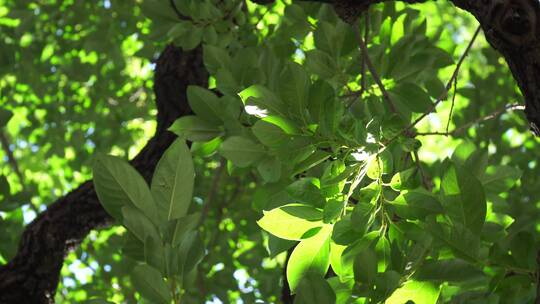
32, 275
444, 93
512, 107
4, 141
372, 70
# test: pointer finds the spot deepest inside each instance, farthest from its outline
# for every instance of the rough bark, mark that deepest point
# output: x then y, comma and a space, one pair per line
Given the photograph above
32, 275
512, 27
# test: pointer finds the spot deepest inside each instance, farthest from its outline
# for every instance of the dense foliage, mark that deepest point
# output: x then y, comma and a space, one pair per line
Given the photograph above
382, 161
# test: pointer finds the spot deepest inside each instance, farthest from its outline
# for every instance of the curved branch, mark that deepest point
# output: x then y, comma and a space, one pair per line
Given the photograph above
32, 275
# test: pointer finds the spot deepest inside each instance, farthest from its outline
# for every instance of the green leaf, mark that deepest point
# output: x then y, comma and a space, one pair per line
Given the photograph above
291, 222
47, 52
5, 188
226, 82
185, 225
375, 167
205, 104
270, 196
118, 184
362, 216
297, 150
349, 255
97, 301
158, 10
477, 163
454, 270
173, 180
499, 179
383, 253
416, 204
210, 35
463, 151
154, 253
415, 291
192, 39
241, 151
463, 243
269, 134
5, 116
314, 289
335, 259
260, 101
294, 88
215, 58
328, 38
149, 282
307, 190
392, 126
313, 160
194, 128
132, 247
524, 250
344, 232
205, 149
190, 252
365, 267
277, 245
321, 93
464, 199
400, 179
180, 29
311, 255
385, 284
320, 63
138, 224
343, 290
413, 96
288, 126
270, 169
332, 210
435, 87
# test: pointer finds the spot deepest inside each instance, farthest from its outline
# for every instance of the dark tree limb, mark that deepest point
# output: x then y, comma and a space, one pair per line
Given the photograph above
32, 275
512, 27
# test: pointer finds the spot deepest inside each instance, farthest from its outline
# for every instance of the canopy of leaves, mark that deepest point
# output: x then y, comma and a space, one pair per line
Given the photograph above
381, 161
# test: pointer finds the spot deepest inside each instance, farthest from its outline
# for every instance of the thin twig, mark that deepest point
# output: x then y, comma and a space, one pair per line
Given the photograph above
14, 165
212, 191
452, 105
351, 94
512, 107
363, 67
372, 69
176, 11
10, 157
444, 93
